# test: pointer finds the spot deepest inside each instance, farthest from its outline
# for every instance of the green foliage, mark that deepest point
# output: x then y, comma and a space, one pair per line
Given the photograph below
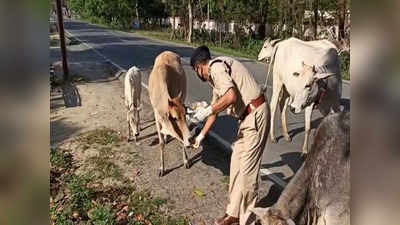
102, 215
345, 65
63, 219
103, 166
80, 193
60, 158
102, 136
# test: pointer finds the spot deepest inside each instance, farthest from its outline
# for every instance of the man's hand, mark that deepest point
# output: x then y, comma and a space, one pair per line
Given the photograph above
202, 114
198, 140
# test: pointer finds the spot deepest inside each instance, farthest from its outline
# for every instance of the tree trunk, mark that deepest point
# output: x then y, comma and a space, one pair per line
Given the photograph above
189, 38
316, 6
208, 11
342, 18
173, 34
137, 13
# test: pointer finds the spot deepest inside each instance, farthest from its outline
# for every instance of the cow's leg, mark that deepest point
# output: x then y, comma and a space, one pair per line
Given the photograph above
136, 125
277, 87
307, 115
161, 172
186, 162
128, 119
283, 106
161, 146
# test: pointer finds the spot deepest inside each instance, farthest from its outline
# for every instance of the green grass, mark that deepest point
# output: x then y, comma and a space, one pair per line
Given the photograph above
102, 136
216, 49
103, 166
102, 215
146, 208
60, 158
80, 194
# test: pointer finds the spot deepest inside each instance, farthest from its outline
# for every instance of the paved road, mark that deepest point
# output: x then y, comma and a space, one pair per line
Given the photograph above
128, 49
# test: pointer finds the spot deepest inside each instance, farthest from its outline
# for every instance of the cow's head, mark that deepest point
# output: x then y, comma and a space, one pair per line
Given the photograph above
267, 50
307, 83
177, 118
270, 216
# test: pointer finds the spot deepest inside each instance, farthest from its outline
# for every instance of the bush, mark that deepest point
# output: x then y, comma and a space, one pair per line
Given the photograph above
345, 65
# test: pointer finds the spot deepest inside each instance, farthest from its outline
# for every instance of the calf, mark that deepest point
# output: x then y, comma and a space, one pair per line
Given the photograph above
319, 193
167, 90
133, 89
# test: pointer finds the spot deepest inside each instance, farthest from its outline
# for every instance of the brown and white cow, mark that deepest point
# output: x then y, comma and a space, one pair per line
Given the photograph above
167, 90
133, 90
319, 193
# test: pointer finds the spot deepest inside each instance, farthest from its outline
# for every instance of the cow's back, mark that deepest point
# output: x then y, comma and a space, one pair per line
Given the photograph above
133, 86
167, 80
292, 52
329, 160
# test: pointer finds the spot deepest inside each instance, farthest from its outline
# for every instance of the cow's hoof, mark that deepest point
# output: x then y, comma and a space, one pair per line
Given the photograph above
161, 173
288, 138
187, 165
137, 143
274, 140
128, 139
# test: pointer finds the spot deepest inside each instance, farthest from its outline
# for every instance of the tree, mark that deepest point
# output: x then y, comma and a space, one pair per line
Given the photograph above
190, 11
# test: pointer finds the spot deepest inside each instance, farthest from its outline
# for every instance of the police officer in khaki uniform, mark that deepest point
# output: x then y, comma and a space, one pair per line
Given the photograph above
235, 90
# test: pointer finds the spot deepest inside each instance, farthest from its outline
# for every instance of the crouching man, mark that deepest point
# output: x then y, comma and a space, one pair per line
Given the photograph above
235, 89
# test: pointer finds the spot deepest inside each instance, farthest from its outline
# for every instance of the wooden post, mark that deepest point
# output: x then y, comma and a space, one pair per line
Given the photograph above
62, 39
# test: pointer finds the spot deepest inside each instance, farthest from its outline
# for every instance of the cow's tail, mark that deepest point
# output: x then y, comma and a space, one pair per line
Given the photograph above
271, 62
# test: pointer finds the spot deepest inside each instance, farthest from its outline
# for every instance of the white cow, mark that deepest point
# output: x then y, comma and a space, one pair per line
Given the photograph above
133, 90
305, 75
167, 91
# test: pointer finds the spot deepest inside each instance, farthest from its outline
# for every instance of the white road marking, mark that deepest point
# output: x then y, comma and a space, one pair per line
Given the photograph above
226, 144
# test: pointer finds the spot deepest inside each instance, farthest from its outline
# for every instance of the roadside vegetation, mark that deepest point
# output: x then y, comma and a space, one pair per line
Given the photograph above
288, 18
93, 189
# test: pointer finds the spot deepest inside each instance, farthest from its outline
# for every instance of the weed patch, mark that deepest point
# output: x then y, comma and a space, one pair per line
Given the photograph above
82, 198
102, 136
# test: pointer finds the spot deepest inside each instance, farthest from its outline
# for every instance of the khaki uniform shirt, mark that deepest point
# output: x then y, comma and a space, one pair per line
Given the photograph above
240, 79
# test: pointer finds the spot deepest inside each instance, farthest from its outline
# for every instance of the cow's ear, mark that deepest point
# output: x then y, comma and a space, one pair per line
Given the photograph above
319, 76
307, 67
290, 222
170, 102
274, 42
260, 212
313, 69
180, 95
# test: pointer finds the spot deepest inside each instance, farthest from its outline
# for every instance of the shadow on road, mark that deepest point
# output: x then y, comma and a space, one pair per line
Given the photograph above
212, 156
271, 198
71, 95
294, 132
293, 160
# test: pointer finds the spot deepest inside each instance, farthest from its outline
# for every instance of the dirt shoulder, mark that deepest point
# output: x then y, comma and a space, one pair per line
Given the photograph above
198, 193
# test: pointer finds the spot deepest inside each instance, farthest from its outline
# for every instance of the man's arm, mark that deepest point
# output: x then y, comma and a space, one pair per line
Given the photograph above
209, 124
220, 105
224, 102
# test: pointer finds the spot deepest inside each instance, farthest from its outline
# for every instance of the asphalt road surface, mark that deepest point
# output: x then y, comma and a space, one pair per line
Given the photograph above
127, 49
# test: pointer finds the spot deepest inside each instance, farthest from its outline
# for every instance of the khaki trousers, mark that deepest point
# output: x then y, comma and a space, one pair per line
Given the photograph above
245, 164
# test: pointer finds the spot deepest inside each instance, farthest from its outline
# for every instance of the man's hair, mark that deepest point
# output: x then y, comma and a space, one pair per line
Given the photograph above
200, 56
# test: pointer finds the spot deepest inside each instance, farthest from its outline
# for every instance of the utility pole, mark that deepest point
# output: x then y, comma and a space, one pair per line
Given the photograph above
62, 39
